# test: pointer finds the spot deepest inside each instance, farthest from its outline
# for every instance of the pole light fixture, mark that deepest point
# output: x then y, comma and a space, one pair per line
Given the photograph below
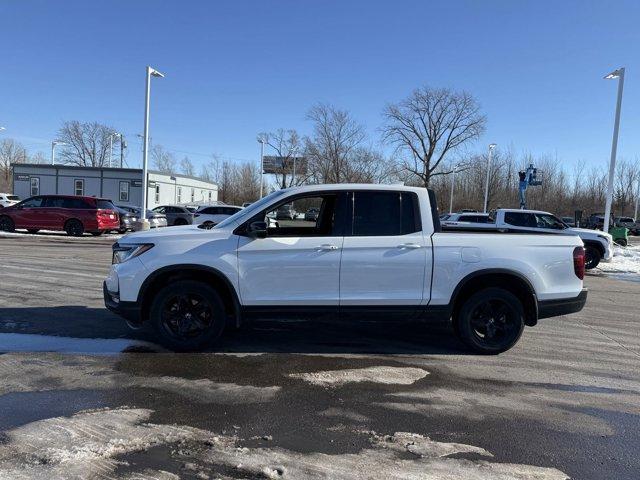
151, 72
2, 128
53, 150
619, 75
492, 146
261, 142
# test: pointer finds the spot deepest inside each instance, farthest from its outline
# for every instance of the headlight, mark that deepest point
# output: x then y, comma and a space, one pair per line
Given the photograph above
122, 253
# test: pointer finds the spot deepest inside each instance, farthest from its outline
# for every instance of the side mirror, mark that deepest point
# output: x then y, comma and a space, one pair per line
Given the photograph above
257, 230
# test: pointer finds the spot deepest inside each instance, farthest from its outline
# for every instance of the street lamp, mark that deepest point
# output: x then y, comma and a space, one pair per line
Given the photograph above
114, 134
261, 142
619, 74
150, 73
53, 150
2, 128
486, 185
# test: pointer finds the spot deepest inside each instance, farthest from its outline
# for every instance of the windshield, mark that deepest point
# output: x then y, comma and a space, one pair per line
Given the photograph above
13, 197
251, 209
549, 221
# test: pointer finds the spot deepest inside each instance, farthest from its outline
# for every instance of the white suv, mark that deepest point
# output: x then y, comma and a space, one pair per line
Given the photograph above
6, 199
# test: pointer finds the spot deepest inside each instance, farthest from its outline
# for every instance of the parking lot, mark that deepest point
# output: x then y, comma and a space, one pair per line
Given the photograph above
297, 399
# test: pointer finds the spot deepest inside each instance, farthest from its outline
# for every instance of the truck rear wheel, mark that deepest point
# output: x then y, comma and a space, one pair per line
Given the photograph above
187, 315
592, 257
490, 321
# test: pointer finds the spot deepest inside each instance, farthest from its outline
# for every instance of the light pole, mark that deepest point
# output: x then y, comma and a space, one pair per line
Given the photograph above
150, 72
486, 185
619, 74
114, 134
635, 212
261, 141
53, 150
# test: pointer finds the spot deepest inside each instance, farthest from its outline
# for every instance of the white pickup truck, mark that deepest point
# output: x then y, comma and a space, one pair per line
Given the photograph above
371, 249
598, 245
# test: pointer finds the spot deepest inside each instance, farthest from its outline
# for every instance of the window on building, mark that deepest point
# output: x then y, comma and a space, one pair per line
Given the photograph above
193, 194
124, 192
179, 200
78, 187
35, 186
157, 193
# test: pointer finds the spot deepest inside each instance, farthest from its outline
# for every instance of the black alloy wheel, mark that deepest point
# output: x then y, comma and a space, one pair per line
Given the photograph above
74, 228
6, 224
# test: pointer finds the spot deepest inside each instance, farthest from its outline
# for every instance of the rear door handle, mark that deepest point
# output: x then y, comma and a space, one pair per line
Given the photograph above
409, 246
326, 247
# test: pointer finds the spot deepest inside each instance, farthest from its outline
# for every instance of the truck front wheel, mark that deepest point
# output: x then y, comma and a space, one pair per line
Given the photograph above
187, 315
490, 321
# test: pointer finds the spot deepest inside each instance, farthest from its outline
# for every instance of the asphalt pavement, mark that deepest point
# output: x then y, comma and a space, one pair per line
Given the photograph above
299, 399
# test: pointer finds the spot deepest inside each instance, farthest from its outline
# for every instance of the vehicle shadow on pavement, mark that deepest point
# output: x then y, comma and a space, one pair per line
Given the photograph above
258, 336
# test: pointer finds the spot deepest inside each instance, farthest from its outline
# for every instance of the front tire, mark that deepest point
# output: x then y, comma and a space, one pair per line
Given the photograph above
490, 321
187, 315
6, 224
592, 257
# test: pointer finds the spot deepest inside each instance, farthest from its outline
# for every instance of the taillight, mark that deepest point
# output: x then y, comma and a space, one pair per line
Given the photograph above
578, 262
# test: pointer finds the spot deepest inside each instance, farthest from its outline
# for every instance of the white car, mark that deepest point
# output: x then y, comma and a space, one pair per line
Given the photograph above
373, 249
6, 199
468, 219
212, 215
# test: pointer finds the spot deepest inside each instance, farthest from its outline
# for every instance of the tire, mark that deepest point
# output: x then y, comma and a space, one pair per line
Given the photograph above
33, 230
6, 224
74, 228
97, 234
175, 327
490, 321
592, 257
179, 221
621, 241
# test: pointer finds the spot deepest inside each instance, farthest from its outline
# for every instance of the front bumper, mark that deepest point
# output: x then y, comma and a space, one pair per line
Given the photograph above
563, 306
130, 311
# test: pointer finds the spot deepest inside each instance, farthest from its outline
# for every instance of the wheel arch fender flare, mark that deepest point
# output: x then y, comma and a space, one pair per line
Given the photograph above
523, 284
191, 271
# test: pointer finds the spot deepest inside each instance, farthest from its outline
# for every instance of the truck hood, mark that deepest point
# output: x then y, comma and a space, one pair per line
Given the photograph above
171, 234
587, 232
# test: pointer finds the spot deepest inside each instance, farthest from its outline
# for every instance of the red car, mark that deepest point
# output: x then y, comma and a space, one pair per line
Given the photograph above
73, 214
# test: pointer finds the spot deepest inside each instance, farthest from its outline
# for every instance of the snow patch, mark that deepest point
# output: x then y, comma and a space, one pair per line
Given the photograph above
625, 264
381, 374
23, 342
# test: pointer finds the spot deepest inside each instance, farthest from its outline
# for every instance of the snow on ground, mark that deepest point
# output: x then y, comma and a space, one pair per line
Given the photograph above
625, 264
90, 444
22, 342
384, 375
21, 373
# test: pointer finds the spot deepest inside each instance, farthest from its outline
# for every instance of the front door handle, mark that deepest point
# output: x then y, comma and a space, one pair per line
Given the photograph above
326, 247
409, 246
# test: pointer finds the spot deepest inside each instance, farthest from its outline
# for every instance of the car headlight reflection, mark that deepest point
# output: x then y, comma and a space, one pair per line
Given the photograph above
122, 253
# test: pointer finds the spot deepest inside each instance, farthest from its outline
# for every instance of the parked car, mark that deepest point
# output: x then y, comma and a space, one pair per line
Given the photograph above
286, 212
383, 253
569, 221
628, 222
214, 215
176, 214
311, 215
468, 220
598, 245
7, 199
133, 214
73, 214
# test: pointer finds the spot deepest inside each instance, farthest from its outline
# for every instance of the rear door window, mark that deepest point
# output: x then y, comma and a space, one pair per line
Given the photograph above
76, 204
520, 219
384, 214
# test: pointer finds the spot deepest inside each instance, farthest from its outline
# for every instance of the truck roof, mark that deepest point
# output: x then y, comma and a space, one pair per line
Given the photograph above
355, 186
524, 211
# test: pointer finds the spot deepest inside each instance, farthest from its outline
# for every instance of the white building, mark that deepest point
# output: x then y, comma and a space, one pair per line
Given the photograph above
122, 185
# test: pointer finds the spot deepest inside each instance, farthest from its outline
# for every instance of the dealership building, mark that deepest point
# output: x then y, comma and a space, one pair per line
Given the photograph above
122, 185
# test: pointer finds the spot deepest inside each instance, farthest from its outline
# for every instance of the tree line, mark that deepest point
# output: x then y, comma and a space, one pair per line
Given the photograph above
422, 140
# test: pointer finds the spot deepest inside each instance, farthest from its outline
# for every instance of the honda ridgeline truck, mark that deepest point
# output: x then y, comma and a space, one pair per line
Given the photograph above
372, 249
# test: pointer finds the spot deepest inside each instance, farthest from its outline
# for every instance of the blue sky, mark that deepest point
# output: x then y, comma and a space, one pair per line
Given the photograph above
235, 68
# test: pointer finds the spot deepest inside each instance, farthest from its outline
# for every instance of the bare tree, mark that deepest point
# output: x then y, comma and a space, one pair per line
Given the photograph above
163, 161
287, 145
331, 148
428, 125
186, 166
86, 144
10, 152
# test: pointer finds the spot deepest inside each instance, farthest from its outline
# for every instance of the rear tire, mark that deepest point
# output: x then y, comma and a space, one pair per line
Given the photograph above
621, 241
187, 316
74, 228
592, 257
490, 321
6, 224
